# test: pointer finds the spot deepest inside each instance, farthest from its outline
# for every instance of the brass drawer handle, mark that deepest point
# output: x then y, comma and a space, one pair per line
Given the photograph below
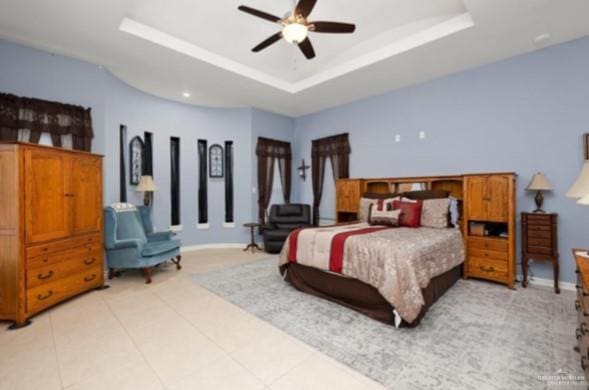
487, 269
43, 277
90, 261
44, 297
90, 278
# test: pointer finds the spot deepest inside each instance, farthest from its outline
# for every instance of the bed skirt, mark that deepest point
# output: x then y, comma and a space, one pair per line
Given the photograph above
360, 296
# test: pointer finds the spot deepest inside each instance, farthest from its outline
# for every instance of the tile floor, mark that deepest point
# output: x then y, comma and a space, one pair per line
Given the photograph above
171, 334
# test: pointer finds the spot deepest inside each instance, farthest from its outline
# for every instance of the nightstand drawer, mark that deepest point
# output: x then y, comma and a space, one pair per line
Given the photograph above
536, 233
539, 250
488, 254
543, 219
545, 242
493, 244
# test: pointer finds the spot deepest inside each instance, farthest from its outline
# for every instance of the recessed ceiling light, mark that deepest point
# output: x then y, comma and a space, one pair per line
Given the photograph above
186, 94
542, 39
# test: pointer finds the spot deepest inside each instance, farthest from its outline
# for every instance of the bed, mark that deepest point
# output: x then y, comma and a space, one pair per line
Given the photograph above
391, 274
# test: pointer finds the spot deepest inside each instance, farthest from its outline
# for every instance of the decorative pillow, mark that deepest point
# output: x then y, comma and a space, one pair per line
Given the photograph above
410, 213
382, 213
366, 201
434, 213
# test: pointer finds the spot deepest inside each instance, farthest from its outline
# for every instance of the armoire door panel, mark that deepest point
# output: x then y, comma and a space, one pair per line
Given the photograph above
46, 195
477, 198
497, 190
86, 199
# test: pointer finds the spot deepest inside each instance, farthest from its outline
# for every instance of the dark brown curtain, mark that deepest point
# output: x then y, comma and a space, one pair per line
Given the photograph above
337, 149
42, 116
268, 151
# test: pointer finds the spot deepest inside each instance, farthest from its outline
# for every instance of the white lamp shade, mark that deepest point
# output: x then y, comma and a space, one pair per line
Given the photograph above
581, 187
539, 182
584, 201
146, 184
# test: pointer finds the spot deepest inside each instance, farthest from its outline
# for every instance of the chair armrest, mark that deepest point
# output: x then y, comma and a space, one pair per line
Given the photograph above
124, 244
263, 228
159, 236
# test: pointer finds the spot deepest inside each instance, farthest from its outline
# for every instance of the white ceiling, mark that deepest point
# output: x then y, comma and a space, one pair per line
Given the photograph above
168, 47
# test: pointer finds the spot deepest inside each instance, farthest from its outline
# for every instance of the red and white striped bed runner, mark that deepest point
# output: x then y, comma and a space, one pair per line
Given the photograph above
324, 247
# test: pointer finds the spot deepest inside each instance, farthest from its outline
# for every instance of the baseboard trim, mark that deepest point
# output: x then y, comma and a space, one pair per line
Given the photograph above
550, 283
192, 248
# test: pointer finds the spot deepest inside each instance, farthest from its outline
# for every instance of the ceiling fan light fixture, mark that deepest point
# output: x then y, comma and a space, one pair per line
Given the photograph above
295, 32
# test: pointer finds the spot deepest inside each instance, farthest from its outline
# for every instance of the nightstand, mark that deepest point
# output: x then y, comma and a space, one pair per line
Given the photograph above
540, 242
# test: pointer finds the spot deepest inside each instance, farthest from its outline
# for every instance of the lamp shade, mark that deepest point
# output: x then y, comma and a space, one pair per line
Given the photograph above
581, 187
146, 184
539, 182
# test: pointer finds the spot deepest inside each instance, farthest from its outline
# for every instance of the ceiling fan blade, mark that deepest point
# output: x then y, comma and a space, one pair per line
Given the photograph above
304, 7
332, 27
259, 14
273, 39
307, 48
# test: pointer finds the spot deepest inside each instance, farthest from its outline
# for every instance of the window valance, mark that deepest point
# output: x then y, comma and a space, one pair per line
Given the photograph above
42, 116
267, 147
330, 146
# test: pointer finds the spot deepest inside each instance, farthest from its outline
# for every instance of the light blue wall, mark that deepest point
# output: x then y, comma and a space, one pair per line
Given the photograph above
525, 114
28, 72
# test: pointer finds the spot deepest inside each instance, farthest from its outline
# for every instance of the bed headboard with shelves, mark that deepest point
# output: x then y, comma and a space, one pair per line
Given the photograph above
484, 198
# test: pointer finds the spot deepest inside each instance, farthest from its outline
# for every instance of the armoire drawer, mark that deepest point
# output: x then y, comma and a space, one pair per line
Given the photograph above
70, 265
487, 268
493, 244
488, 254
85, 252
62, 245
45, 295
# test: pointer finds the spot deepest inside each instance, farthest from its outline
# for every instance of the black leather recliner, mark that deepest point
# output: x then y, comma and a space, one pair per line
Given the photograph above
283, 219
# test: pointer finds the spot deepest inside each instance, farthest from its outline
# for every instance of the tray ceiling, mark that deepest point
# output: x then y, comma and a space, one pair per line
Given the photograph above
169, 47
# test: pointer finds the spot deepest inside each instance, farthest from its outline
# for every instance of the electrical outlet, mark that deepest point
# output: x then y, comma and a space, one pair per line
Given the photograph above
398, 138
422, 135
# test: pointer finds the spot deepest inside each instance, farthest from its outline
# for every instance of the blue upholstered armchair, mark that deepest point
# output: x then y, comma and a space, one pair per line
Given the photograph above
131, 242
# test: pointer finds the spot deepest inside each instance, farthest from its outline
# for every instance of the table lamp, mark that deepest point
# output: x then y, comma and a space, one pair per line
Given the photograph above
580, 189
147, 186
539, 183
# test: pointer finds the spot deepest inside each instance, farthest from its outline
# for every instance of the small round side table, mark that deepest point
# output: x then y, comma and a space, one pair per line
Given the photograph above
252, 244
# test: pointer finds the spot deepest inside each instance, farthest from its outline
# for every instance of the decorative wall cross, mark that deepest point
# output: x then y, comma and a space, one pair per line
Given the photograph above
303, 169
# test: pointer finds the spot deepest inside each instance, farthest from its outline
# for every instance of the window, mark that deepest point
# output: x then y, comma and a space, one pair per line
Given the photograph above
122, 156
175, 180
228, 181
203, 217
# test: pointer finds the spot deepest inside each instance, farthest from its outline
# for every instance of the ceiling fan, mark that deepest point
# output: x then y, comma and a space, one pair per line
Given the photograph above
295, 27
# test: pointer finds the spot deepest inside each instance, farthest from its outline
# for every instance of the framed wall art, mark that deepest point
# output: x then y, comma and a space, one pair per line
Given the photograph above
136, 149
216, 162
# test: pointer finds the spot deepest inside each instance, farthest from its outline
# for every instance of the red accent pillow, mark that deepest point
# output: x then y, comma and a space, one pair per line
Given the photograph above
410, 213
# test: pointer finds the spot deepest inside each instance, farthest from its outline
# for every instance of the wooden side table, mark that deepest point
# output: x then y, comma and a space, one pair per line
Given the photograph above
252, 244
540, 242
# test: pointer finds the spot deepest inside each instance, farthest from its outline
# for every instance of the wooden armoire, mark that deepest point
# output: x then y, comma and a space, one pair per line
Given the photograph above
50, 227
489, 202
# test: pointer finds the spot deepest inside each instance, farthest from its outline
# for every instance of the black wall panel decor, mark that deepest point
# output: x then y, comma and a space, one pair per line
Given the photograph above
175, 180
122, 171
229, 181
148, 154
203, 216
